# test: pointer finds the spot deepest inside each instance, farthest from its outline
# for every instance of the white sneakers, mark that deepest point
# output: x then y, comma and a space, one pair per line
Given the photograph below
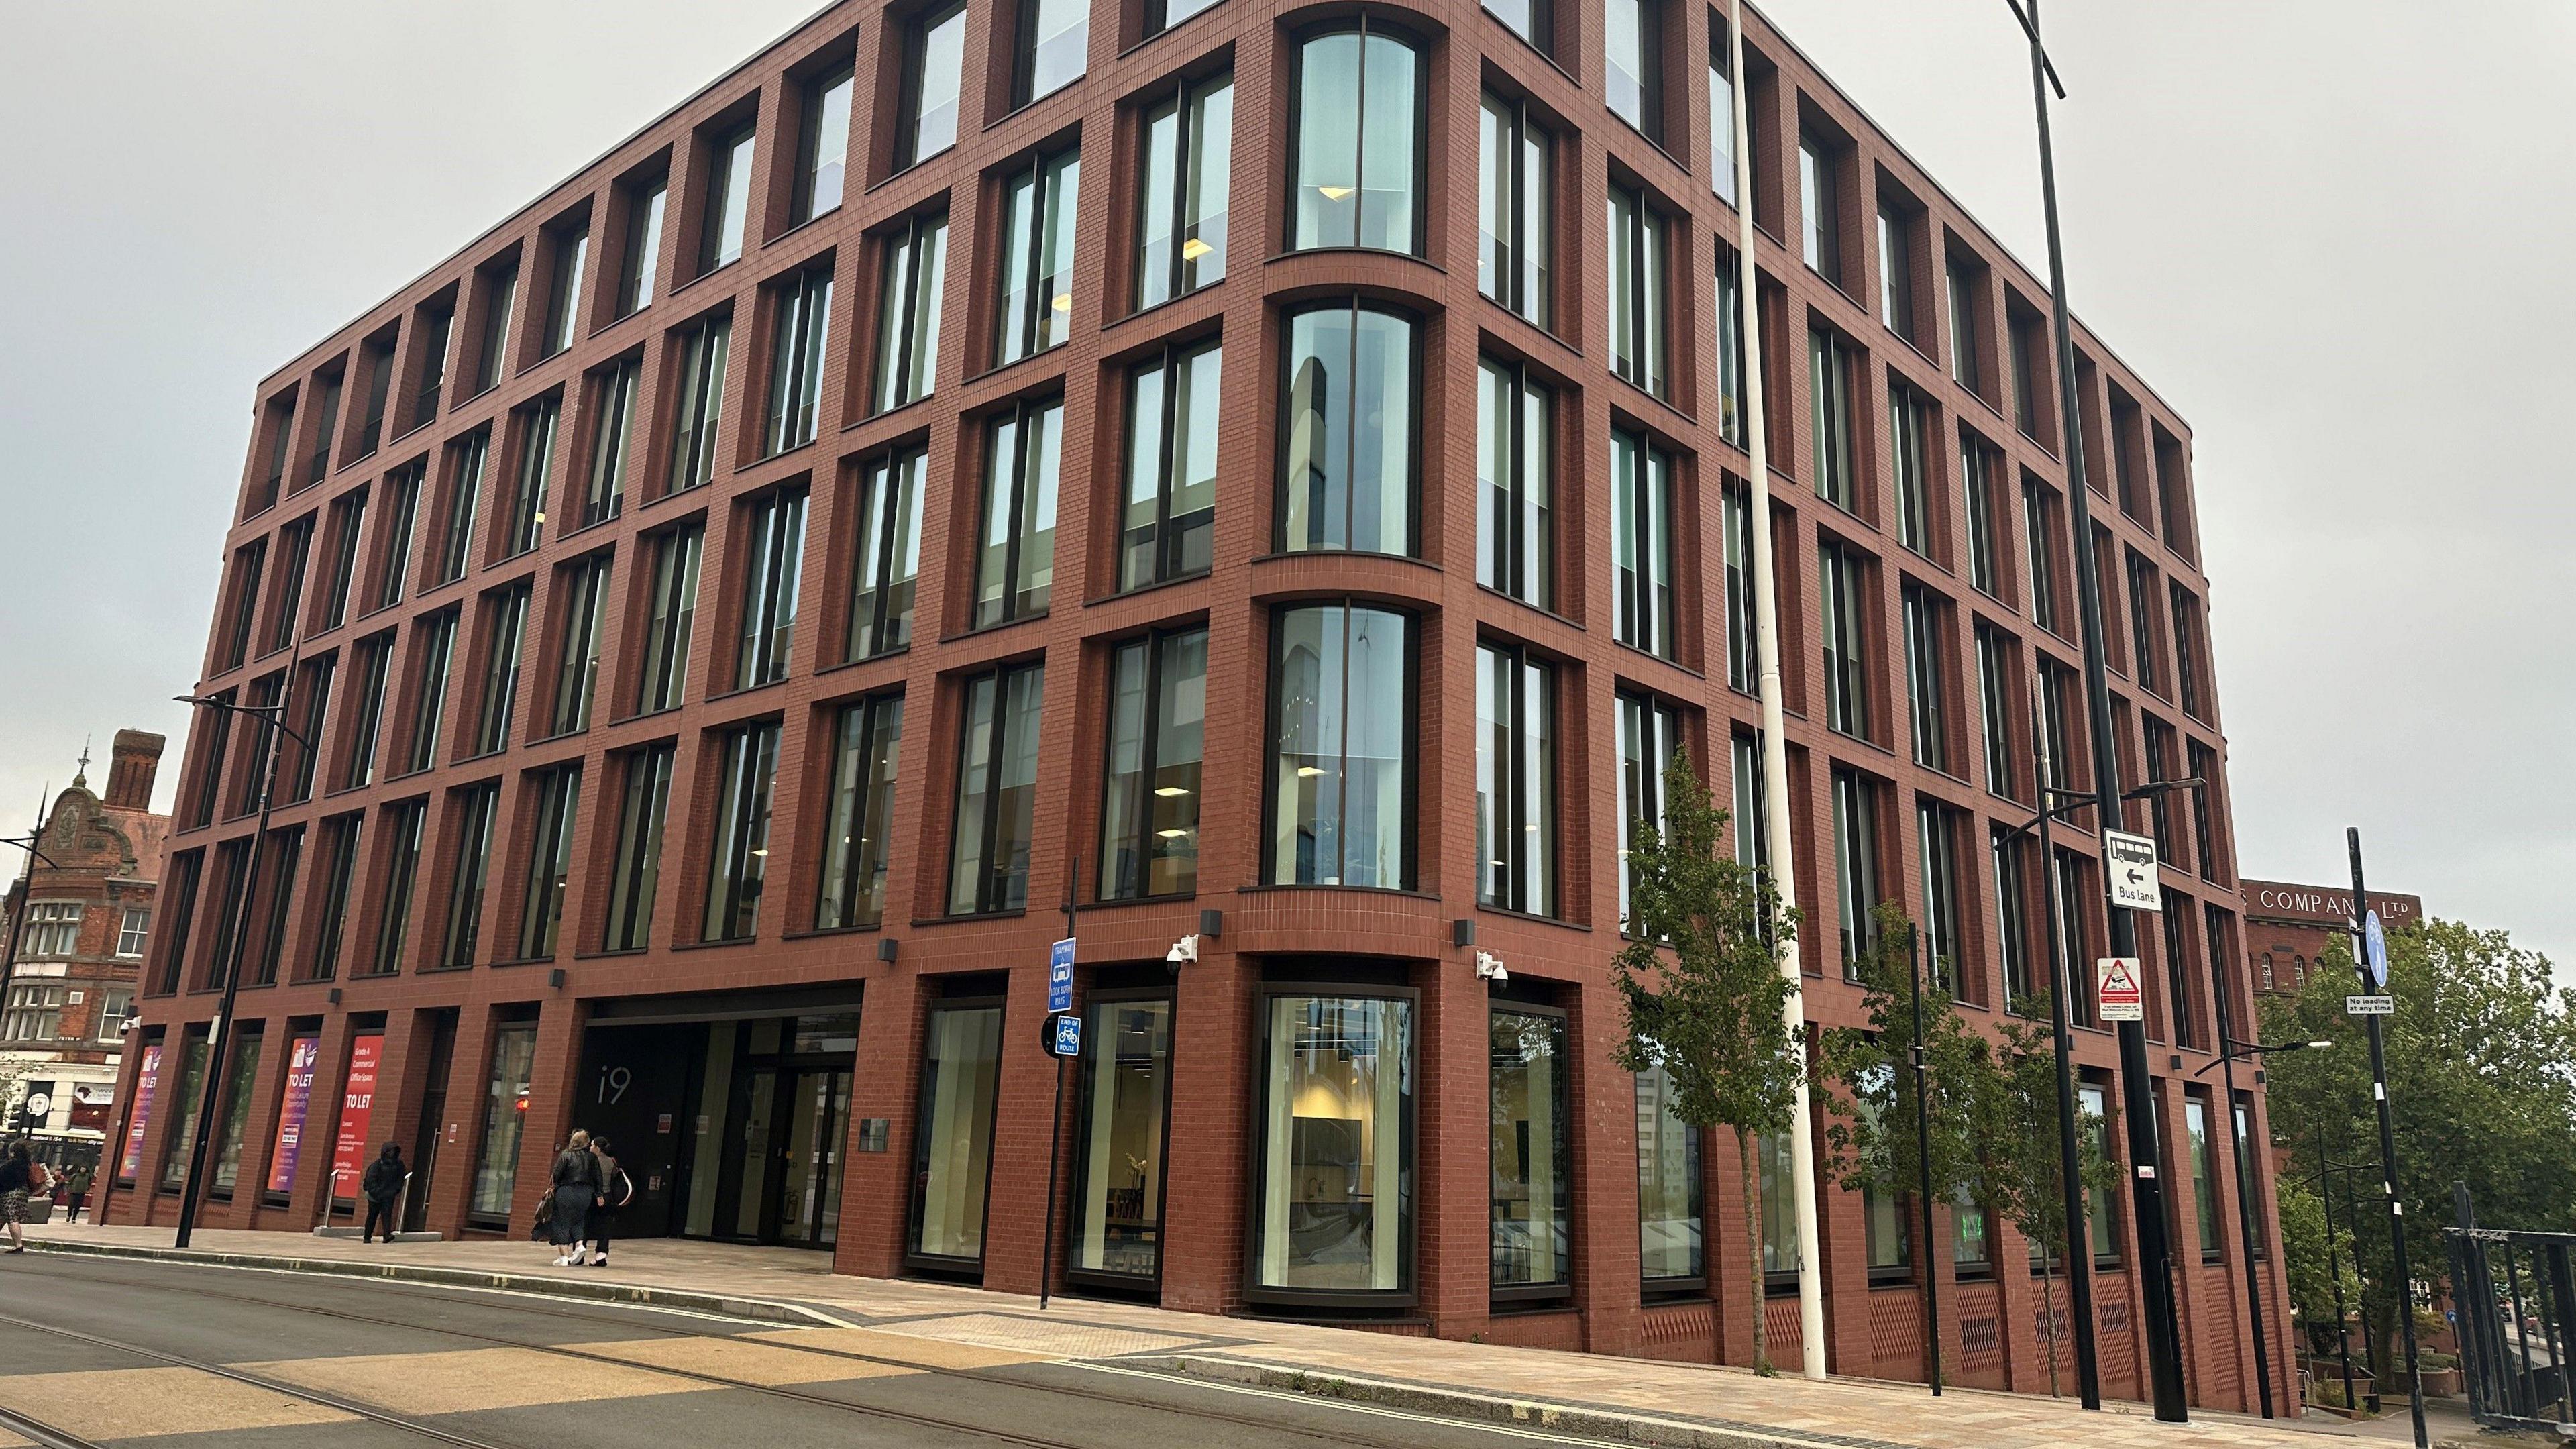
564, 1262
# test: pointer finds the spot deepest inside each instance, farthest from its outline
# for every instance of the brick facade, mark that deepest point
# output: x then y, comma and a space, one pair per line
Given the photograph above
2138, 456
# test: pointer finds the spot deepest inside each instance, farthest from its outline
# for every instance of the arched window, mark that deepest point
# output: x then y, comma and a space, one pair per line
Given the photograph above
2267, 970
1357, 164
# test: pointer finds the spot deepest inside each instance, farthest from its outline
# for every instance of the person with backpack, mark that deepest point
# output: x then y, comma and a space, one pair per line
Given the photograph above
576, 1192
616, 1190
20, 1174
382, 1184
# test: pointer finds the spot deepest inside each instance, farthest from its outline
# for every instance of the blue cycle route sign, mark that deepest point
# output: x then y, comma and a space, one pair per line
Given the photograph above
1068, 1035
2374, 952
1060, 975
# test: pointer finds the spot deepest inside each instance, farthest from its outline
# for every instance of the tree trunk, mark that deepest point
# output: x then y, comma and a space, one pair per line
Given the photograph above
1753, 1245
2048, 1311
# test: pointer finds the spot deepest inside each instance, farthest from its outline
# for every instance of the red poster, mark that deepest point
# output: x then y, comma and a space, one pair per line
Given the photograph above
144, 1083
301, 1056
349, 1155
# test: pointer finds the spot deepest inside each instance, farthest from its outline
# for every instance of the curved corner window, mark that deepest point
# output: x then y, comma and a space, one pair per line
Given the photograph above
1341, 747
1357, 166
1333, 1185
1347, 453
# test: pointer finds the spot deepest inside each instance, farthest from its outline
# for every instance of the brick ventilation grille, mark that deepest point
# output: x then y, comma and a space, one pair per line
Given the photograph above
1895, 1327
1981, 1327
1780, 1323
1694, 1324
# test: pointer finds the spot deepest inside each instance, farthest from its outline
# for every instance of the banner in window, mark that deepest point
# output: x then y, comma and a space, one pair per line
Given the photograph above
301, 1056
144, 1082
349, 1154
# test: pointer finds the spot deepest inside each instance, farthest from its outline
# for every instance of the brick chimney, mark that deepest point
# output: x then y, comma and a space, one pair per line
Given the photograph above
133, 761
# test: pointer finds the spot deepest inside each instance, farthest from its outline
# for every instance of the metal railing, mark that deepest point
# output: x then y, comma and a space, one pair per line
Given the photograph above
2517, 1324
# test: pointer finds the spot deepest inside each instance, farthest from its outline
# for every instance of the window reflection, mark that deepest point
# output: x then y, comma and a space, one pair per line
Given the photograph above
1118, 1175
1336, 1178
953, 1160
1532, 1161
1359, 107
1341, 747
1346, 475
1670, 1241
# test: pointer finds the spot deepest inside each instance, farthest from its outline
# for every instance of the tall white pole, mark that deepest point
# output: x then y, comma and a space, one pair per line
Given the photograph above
1777, 837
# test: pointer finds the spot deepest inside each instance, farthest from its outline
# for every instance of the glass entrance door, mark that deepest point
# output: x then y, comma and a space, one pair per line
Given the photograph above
808, 1210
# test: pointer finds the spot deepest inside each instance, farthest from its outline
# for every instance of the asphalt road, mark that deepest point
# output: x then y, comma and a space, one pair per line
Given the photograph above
105, 1351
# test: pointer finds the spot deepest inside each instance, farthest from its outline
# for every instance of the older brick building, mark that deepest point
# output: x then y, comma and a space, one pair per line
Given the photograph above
2287, 927
88, 905
1209, 464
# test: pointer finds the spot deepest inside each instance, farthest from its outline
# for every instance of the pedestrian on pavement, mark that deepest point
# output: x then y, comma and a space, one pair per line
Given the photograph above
382, 1183
76, 1185
576, 1191
616, 1190
19, 1175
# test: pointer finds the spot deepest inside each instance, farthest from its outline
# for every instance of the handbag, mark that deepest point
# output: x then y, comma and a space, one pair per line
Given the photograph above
543, 1219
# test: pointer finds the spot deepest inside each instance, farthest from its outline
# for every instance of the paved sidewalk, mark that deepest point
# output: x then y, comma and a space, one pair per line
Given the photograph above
1580, 1395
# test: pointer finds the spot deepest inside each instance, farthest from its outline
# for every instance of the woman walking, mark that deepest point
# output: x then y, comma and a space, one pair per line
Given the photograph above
19, 1175
616, 1190
576, 1190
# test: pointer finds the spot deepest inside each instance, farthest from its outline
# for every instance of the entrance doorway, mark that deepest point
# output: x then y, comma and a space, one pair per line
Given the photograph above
731, 1130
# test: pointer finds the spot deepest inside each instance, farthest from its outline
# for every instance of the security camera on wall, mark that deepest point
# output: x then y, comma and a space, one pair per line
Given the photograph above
1184, 952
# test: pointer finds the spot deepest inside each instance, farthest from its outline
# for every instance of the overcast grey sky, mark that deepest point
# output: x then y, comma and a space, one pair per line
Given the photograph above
2335, 236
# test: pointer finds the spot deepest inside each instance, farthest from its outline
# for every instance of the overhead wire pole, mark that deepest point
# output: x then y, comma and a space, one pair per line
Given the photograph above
2137, 1094
1777, 841
2070, 1158
2387, 1144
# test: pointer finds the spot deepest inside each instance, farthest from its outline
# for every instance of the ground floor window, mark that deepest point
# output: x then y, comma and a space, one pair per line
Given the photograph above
1335, 1169
953, 1153
1671, 1246
182, 1135
1117, 1222
1782, 1252
1531, 1164
505, 1117
241, 1076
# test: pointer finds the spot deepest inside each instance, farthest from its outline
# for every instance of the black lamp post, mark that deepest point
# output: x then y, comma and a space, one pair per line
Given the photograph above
272, 718
2229, 1049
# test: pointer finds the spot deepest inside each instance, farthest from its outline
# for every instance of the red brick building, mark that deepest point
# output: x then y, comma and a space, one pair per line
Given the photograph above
88, 905
743, 595
2287, 927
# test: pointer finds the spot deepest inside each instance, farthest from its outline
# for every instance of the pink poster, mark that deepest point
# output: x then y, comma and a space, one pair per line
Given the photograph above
349, 1155
301, 1056
144, 1081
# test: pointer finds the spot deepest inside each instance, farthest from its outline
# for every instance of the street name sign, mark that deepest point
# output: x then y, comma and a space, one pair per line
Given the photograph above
1060, 975
2116, 992
2130, 862
2370, 1006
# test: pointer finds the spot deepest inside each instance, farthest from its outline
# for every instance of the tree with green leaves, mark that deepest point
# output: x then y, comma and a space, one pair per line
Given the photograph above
2481, 1086
1874, 1143
1701, 979
2317, 1291
2019, 1144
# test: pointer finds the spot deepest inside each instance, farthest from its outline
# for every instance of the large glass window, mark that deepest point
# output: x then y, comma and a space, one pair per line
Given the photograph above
1341, 754
1054, 36
437, 652
500, 301
349, 522
2246, 1160
1015, 556
1149, 818
1334, 1195
1358, 155
1671, 1235
669, 619
887, 569
2039, 523
613, 392
1846, 633
1908, 415
739, 852
1036, 308
2101, 1206
339, 872
1637, 289
1829, 420
1976, 489
1895, 271
563, 299
727, 198
934, 67
1635, 71
1650, 734
643, 257
1820, 206
585, 625
536, 467
1162, 15
822, 147
997, 772
1783, 1251
1994, 702
1515, 492
1735, 517
1721, 119
402, 520
403, 823
1532, 1157
1641, 498
2204, 1187
961, 1071
1182, 207
549, 860
638, 867
773, 568
1347, 462
857, 837
1514, 227
1117, 1221
1731, 395
1936, 828
1515, 781
475, 808
701, 411
796, 363
182, 1134
505, 1103
1926, 675
1856, 892
1168, 529
915, 259
1963, 326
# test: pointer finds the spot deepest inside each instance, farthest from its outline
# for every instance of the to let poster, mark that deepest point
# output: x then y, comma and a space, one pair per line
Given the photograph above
145, 1080
349, 1154
301, 1056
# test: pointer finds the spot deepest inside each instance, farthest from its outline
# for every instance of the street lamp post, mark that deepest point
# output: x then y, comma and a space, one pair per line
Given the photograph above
18, 917
2137, 1095
2229, 1049
272, 718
